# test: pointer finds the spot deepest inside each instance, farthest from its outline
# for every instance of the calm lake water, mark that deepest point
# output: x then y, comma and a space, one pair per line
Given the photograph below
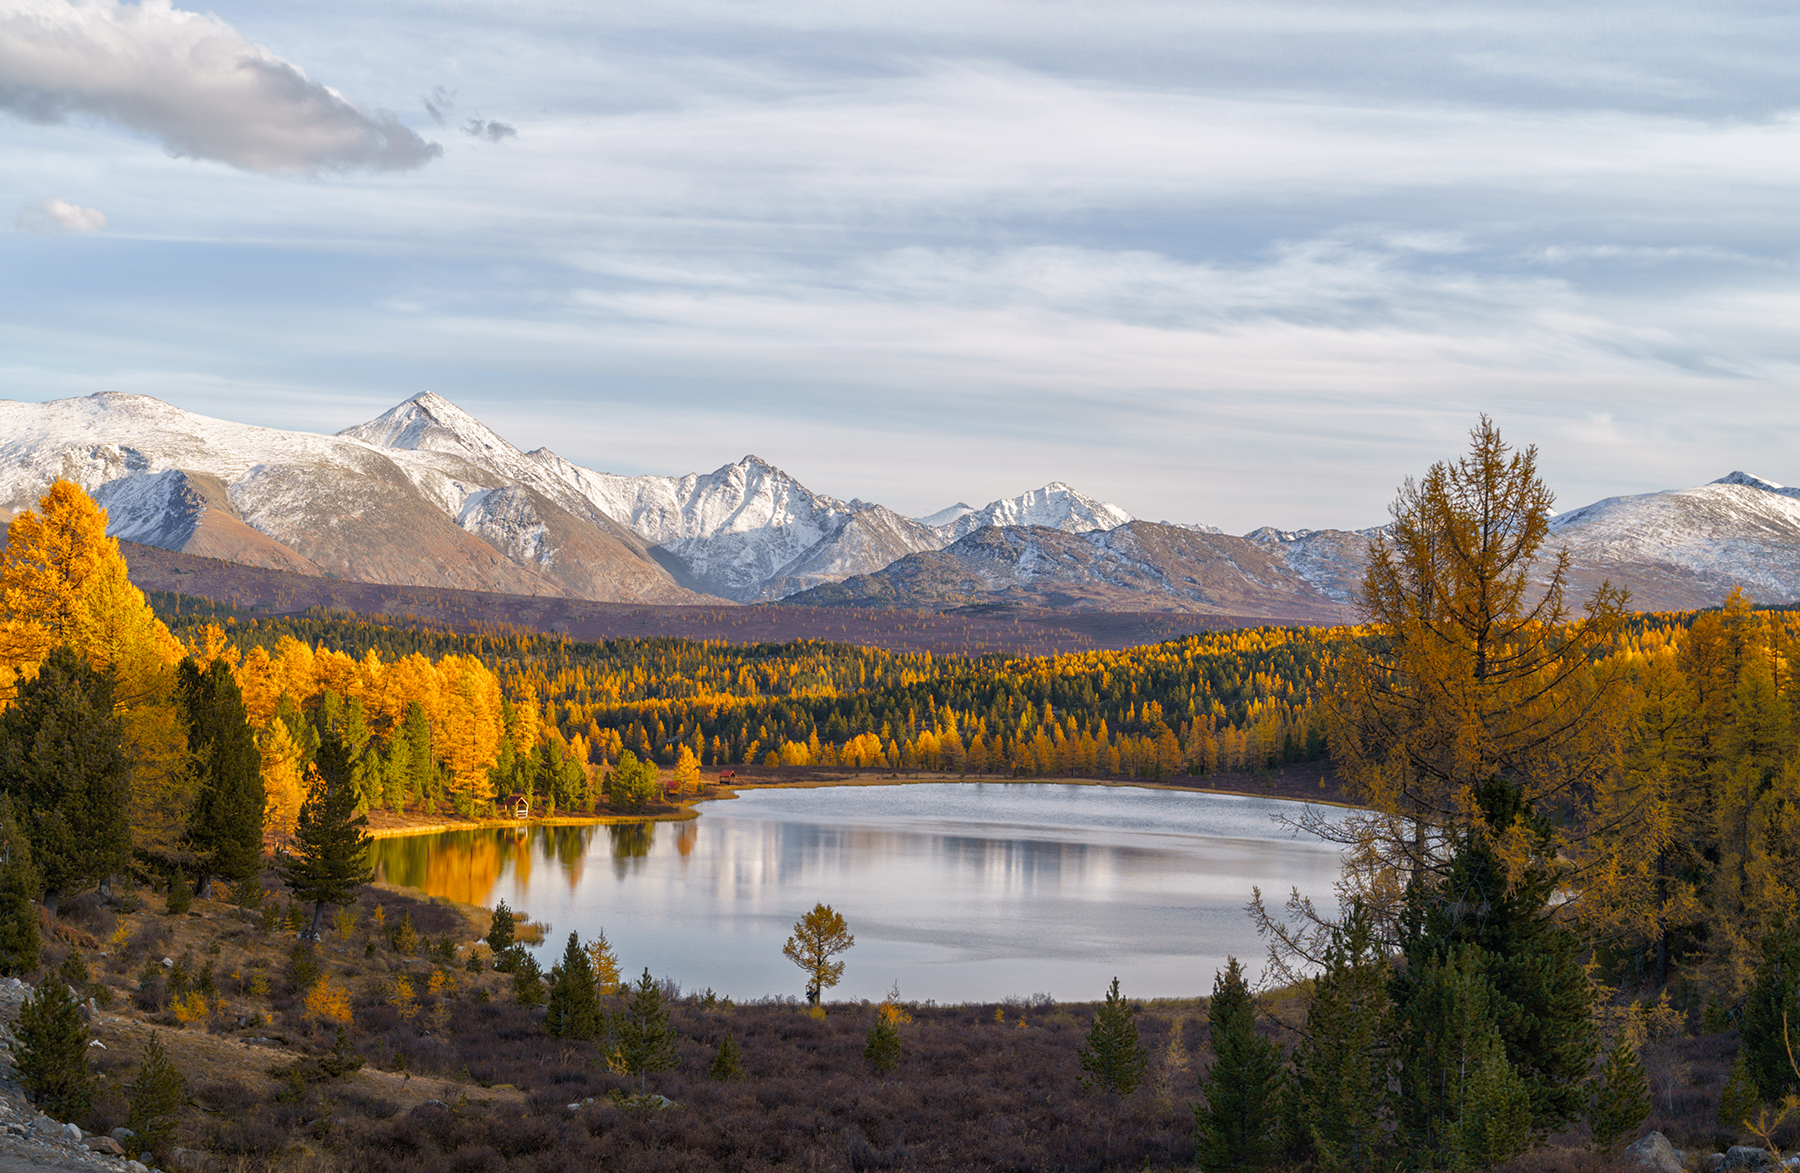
956, 891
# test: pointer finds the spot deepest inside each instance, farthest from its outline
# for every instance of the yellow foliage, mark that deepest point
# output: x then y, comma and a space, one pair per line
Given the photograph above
283, 788
606, 966
330, 1000
344, 921
189, 1007
402, 997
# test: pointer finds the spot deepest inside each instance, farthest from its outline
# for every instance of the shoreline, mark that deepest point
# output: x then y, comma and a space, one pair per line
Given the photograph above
401, 826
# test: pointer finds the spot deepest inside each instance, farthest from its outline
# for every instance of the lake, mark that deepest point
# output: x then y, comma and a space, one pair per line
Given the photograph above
958, 892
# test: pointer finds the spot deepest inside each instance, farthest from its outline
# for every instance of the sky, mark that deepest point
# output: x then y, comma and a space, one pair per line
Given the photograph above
1220, 263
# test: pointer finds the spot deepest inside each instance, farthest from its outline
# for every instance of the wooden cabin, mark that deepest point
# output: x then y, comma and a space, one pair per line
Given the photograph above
516, 806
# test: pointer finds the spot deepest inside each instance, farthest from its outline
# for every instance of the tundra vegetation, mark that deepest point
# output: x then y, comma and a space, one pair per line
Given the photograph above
1569, 912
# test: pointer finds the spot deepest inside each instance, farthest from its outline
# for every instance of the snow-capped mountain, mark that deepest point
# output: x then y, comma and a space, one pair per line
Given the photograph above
1055, 506
1689, 547
317, 504
748, 531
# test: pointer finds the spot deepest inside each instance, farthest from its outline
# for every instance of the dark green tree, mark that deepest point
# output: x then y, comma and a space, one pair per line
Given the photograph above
1335, 1111
331, 861
1111, 1059
1535, 991
156, 1096
1771, 1015
1623, 1100
882, 1050
19, 886
181, 895
1495, 1124
527, 977
225, 829
643, 1039
1444, 1029
1235, 1121
502, 929
62, 759
1738, 1099
574, 1011
53, 1050
727, 1064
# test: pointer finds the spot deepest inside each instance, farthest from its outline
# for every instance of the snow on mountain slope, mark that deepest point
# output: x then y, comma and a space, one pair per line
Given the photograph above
747, 530
312, 503
1055, 506
946, 515
1689, 547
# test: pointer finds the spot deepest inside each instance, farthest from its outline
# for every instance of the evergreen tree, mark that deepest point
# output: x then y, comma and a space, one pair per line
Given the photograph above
52, 1052
882, 1049
19, 886
644, 1041
225, 828
1495, 1122
62, 759
727, 1064
574, 1011
527, 977
1738, 1099
1445, 1027
1111, 1059
1336, 1106
501, 929
331, 861
156, 1096
181, 895
1534, 989
1624, 1096
1771, 1015
1234, 1124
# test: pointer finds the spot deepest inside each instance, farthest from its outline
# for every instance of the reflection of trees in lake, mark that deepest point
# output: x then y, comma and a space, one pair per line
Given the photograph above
457, 865
568, 846
630, 841
686, 835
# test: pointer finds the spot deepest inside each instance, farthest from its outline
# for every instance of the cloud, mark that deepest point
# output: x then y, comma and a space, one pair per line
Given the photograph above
192, 81
492, 131
54, 215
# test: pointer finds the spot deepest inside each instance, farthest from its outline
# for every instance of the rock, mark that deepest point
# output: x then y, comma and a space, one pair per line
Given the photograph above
576, 1107
1654, 1152
122, 1133
105, 1145
168, 963
71, 1133
136, 1167
1745, 1156
1711, 1162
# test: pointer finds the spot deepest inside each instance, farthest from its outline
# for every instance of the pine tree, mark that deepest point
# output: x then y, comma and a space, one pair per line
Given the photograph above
1234, 1124
1494, 1124
225, 828
501, 929
574, 1011
1624, 1095
1771, 1015
643, 1039
1738, 1099
19, 886
62, 759
181, 894
53, 1049
605, 964
331, 861
882, 1049
527, 977
1444, 1011
727, 1064
1336, 1107
156, 1096
1111, 1059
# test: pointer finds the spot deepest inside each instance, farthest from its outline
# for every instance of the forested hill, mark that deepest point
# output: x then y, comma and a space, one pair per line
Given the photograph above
1214, 702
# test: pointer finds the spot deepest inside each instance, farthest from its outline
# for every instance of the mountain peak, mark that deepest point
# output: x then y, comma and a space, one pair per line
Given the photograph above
428, 422
1743, 478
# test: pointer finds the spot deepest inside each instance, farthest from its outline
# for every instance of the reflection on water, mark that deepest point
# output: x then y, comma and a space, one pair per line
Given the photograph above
960, 891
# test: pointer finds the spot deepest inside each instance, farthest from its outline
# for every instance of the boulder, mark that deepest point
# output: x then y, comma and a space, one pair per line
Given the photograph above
1746, 1156
106, 1146
1655, 1153
123, 1133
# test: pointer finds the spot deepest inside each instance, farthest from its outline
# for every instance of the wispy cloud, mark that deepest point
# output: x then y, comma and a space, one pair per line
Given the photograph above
54, 215
191, 81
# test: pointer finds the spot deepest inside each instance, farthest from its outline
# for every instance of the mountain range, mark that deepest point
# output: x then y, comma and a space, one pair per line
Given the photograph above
426, 495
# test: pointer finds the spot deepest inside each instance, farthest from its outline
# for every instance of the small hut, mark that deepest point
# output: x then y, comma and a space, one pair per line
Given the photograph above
516, 806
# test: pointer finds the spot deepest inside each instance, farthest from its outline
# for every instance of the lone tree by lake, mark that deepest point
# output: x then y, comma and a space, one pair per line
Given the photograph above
819, 936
